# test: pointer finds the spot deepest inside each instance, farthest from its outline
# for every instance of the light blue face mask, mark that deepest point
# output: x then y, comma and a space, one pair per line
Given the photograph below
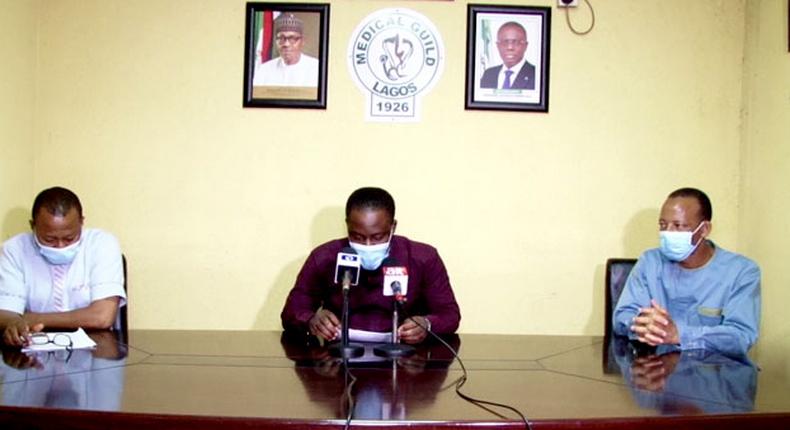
58, 256
371, 256
677, 245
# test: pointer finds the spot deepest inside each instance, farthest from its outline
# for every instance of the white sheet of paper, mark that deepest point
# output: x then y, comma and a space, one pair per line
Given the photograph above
368, 336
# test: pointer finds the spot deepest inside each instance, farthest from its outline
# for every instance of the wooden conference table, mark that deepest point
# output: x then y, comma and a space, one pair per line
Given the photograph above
253, 379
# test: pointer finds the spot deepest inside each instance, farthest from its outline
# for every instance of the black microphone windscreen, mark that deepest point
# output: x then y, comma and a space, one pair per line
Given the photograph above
347, 262
390, 262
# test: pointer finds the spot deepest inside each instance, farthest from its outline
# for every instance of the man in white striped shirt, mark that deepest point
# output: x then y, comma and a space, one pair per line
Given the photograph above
59, 276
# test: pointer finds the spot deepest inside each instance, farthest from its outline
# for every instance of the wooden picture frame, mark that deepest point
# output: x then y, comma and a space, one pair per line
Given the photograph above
285, 55
507, 57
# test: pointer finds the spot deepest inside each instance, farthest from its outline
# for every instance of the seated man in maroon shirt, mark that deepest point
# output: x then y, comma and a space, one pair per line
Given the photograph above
315, 302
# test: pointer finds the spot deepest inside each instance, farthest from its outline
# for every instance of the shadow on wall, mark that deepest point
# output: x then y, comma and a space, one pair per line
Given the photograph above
771, 353
639, 234
16, 221
328, 224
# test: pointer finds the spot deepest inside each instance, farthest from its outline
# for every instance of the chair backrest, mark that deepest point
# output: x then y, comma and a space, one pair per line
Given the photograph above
122, 323
617, 270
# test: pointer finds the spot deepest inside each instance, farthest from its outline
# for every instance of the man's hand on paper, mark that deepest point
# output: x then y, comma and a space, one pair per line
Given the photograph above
17, 331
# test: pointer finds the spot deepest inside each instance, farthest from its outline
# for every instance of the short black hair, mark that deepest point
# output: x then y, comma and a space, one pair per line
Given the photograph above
57, 201
512, 24
371, 198
706, 210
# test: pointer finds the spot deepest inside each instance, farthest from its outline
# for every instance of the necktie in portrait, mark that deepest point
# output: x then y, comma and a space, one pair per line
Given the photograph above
507, 83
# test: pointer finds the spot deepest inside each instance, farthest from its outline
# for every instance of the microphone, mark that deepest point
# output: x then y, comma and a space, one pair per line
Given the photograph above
396, 283
347, 267
396, 290
396, 280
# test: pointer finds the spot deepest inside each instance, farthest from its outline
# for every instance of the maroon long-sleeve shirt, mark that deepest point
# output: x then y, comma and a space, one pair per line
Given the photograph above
429, 292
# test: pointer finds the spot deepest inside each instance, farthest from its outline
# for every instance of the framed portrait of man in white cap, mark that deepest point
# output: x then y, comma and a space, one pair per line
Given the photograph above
286, 46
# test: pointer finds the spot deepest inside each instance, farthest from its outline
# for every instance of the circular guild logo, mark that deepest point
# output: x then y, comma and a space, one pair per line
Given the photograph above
395, 55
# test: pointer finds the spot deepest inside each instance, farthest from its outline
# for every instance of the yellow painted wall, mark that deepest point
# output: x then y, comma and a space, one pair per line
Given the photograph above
765, 208
217, 206
17, 101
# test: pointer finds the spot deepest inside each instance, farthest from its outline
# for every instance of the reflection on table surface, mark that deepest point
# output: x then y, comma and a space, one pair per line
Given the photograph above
384, 389
268, 377
686, 382
67, 379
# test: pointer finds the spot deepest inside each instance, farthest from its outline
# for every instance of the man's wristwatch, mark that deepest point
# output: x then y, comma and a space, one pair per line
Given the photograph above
427, 323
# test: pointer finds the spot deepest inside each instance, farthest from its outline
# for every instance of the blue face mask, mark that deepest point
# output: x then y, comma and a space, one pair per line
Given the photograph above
372, 256
677, 245
58, 256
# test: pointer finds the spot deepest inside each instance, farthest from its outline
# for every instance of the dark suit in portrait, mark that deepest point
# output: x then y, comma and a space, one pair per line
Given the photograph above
524, 79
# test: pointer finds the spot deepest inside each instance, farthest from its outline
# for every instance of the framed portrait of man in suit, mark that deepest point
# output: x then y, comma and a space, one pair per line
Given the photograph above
285, 55
507, 57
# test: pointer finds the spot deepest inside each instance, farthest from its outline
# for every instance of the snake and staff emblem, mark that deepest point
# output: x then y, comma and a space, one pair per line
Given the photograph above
396, 56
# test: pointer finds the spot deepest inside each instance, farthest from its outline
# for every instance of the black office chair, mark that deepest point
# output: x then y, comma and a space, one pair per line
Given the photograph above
617, 271
122, 323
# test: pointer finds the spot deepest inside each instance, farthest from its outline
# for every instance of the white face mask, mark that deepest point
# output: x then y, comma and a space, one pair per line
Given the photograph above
58, 256
677, 245
372, 256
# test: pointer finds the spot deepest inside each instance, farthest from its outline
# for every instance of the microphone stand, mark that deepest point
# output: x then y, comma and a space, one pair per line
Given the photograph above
345, 349
395, 349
